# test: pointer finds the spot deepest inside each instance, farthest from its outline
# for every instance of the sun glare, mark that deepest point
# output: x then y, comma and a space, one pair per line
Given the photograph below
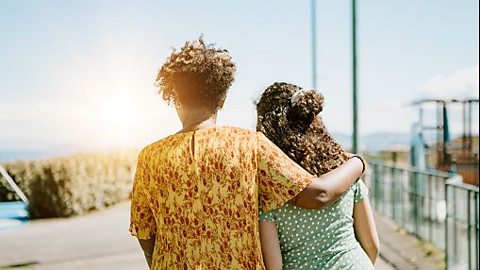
117, 119
130, 120
116, 84
114, 98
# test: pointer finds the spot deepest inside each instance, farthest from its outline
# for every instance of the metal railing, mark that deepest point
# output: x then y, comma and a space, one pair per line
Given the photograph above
461, 226
434, 206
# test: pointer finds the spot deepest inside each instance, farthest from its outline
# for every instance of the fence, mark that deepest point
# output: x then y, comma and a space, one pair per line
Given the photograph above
461, 226
433, 206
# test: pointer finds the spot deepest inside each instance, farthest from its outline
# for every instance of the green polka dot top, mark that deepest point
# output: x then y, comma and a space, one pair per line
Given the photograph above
320, 239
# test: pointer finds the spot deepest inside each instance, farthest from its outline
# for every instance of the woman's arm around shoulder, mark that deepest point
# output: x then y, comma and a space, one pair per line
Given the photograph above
326, 189
291, 183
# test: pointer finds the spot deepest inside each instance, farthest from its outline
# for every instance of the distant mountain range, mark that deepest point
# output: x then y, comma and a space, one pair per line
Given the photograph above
26, 155
375, 142
379, 141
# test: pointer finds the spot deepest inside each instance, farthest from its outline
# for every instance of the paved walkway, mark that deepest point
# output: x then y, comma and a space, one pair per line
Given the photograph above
403, 251
96, 241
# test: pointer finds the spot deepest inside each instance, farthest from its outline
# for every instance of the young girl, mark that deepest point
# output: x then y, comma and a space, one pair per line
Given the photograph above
342, 236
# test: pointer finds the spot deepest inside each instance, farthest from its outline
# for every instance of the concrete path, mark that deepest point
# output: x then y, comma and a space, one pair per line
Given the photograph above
96, 241
404, 251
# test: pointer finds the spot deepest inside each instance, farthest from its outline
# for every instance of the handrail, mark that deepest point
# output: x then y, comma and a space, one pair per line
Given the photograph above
13, 185
457, 182
431, 172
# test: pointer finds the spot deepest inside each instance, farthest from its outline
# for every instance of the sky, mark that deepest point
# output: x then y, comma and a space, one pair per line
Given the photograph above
79, 74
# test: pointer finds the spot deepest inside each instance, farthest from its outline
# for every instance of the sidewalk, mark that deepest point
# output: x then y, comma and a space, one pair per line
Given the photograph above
404, 251
96, 241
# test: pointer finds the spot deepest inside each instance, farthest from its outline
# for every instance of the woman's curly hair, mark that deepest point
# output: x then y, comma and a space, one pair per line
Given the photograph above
197, 75
288, 116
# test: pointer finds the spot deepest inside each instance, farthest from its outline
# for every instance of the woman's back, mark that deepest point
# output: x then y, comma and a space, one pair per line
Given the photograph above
198, 192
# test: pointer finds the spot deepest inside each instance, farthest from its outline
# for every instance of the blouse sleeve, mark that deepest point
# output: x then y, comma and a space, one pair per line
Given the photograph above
266, 216
279, 178
361, 191
142, 220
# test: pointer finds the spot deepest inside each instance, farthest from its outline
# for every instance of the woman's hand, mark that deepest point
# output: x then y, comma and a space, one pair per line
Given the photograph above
365, 164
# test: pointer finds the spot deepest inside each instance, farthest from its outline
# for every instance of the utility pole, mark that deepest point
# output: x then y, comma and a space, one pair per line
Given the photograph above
314, 43
354, 78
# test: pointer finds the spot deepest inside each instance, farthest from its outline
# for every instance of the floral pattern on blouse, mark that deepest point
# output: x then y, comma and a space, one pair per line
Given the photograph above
198, 193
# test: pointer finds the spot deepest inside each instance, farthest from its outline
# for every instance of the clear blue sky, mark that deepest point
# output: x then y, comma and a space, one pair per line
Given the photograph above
80, 73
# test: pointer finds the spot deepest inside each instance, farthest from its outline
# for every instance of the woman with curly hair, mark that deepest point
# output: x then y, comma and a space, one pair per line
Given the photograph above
296, 238
196, 193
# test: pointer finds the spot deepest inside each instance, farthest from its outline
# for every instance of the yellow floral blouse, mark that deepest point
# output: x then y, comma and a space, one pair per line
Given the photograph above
198, 193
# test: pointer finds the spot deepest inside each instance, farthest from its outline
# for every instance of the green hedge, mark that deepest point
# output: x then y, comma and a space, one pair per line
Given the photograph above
72, 185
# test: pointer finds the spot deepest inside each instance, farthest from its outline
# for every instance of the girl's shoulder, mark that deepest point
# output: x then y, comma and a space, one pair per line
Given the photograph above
360, 190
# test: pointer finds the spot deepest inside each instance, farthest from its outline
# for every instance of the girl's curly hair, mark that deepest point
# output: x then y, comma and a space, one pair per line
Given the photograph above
197, 75
288, 116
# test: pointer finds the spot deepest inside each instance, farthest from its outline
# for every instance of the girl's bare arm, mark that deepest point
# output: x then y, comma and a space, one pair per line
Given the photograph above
272, 256
365, 229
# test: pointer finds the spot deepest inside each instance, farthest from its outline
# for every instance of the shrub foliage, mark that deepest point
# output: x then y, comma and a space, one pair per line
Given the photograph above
72, 185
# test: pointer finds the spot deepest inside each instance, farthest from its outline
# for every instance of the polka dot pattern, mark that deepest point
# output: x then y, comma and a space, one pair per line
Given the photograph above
320, 239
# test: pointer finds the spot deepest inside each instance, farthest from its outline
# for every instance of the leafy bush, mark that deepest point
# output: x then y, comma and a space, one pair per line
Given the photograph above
72, 185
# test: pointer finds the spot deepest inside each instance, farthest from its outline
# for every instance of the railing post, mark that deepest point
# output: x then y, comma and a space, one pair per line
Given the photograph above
469, 240
415, 203
447, 216
404, 208
454, 218
392, 191
476, 227
375, 184
430, 203
382, 196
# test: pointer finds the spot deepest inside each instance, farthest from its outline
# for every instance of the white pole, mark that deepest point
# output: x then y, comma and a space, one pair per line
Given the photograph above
313, 8
13, 185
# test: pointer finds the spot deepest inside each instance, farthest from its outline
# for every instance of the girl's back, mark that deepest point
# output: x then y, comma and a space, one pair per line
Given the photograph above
321, 239
313, 239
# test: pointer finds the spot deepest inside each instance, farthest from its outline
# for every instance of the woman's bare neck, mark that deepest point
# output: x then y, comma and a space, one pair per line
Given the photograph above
197, 119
